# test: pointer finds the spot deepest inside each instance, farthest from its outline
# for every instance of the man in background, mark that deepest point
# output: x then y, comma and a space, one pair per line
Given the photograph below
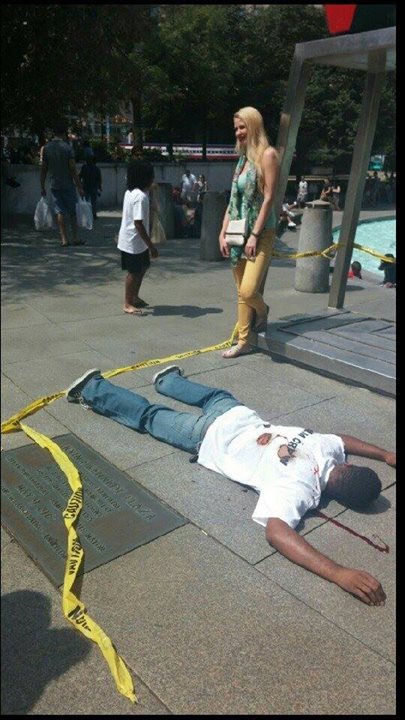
90, 175
188, 182
58, 160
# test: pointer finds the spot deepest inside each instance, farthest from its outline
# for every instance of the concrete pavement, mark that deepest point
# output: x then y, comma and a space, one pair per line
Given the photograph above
208, 617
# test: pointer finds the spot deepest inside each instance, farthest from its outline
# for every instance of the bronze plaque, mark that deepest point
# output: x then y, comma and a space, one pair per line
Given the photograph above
118, 514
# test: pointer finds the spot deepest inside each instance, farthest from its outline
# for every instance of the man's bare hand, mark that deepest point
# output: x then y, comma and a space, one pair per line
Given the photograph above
360, 584
264, 439
391, 459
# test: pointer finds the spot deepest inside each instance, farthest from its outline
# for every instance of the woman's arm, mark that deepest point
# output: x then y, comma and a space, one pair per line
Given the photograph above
223, 245
270, 168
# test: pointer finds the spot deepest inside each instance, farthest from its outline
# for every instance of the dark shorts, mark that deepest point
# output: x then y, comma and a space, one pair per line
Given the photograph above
136, 264
65, 201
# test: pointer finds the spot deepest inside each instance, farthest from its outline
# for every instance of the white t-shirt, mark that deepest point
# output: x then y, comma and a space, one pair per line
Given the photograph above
302, 187
289, 473
187, 183
136, 207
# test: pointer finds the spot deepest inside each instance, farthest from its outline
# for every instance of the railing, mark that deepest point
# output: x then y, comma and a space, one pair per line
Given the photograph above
191, 150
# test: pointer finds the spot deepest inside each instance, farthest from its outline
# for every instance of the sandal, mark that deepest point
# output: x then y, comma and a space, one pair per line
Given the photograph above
261, 323
235, 351
134, 311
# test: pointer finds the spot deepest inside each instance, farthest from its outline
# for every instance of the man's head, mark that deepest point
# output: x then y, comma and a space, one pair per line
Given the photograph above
60, 129
353, 486
187, 172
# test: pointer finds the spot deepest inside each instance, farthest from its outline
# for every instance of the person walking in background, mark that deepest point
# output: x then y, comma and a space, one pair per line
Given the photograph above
326, 191
201, 187
90, 175
134, 236
58, 160
188, 183
335, 200
302, 194
252, 197
87, 150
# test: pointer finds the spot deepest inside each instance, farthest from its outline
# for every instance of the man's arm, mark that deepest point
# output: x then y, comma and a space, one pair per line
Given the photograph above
75, 177
44, 170
294, 547
354, 446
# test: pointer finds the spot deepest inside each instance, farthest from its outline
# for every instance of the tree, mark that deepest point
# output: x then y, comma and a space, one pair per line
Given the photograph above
61, 59
194, 57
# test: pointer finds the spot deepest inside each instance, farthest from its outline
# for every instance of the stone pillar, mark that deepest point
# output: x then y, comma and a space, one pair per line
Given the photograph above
166, 207
312, 273
214, 206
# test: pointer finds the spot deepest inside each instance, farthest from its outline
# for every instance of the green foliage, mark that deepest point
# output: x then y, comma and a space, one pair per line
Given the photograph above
184, 70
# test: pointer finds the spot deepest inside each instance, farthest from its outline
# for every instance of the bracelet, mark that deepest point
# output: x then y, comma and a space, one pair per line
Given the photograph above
256, 235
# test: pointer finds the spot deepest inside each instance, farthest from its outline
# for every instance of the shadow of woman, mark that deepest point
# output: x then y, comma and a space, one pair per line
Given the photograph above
33, 654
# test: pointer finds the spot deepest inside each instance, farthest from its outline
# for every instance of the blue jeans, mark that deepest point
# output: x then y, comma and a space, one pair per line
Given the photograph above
183, 430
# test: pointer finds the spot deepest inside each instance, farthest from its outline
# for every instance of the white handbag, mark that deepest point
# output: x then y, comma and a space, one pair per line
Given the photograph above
236, 232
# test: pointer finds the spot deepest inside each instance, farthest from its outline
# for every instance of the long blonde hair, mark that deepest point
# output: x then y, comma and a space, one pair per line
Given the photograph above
256, 141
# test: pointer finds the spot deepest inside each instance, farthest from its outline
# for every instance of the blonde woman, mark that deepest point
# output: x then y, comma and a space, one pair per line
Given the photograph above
252, 197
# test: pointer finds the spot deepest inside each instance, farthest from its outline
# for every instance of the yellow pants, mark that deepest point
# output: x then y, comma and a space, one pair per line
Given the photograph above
248, 275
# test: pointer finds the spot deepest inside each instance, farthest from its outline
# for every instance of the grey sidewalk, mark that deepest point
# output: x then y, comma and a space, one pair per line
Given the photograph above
208, 617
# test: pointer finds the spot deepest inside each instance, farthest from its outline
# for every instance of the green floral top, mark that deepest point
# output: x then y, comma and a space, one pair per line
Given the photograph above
246, 202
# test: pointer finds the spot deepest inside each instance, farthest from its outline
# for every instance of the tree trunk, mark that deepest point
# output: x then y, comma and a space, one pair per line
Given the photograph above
137, 121
204, 139
170, 143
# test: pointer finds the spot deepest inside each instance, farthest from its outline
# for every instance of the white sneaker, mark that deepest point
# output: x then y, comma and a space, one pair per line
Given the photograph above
74, 391
292, 224
166, 371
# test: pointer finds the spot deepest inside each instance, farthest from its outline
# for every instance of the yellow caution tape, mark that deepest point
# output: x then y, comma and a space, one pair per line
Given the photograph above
332, 248
13, 423
170, 358
376, 254
73, 608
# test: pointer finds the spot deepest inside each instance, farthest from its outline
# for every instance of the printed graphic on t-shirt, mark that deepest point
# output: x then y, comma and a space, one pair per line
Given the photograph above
290, 449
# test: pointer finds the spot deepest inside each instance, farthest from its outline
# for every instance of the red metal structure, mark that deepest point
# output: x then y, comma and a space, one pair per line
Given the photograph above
339, 17
351, 19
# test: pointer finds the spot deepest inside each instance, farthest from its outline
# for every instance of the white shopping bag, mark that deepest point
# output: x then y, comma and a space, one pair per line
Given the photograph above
43, 219
84, 214
158, 235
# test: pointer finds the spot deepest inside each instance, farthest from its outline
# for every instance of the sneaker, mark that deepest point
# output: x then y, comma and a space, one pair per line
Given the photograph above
166, 371
74, 391
292, 224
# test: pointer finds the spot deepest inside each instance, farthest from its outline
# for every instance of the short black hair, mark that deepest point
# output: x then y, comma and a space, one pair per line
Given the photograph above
139, 175
60, 127
357, 487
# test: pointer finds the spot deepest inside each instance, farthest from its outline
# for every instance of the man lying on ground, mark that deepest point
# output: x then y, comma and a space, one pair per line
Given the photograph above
288, 466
